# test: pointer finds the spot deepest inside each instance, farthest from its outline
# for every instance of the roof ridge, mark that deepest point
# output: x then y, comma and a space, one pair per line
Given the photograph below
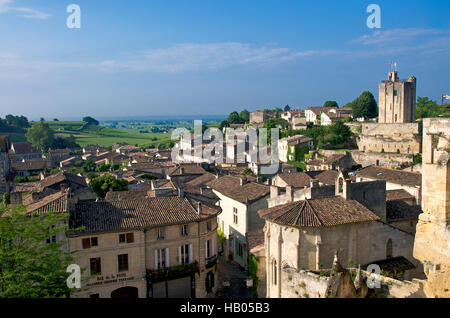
314, 212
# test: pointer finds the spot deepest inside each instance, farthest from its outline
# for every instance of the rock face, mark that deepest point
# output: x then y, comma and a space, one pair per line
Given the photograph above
432, 241
341, 285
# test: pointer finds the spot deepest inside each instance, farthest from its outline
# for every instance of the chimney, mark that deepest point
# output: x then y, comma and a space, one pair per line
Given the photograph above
290, 193
199, 208
202, 190
180, 192
181, 170
242, 181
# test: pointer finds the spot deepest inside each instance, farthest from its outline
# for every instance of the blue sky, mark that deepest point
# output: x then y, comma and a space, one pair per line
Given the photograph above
193, 57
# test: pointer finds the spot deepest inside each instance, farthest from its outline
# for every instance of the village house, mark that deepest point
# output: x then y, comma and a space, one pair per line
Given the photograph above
58, 155
30, 167
411, 182
331, 115
332, 162
287, 146
240, 201
155, 247
20, 151
6, 176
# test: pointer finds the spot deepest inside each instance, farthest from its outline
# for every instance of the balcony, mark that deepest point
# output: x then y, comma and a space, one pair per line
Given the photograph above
211, 261
172, 272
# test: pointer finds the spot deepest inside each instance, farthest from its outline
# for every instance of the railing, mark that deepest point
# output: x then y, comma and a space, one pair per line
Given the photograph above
211, 261
172, 272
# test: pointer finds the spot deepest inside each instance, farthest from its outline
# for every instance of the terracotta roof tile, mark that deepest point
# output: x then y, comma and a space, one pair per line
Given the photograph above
391, 175
320, 212
230, 186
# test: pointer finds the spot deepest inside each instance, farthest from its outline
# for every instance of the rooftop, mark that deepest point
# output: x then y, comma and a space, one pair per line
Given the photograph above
322, 212
231, 187
412, 179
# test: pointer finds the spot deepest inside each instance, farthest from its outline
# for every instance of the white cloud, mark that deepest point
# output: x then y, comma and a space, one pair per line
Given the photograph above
7, 6
212, 56
393, 36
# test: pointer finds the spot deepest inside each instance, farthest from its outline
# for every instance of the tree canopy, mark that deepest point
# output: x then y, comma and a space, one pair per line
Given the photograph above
90, 121
287, 108
32, 262
364, 106
41, 136
234, 118
331, 103
244, 115
426, 108
101, 184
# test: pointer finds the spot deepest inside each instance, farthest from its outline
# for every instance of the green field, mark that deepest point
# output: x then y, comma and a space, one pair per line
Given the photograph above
98, 135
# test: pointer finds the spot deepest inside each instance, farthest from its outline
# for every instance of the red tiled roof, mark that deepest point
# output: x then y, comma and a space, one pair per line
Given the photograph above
412, 179
230, 186
322, 212
111, 216
23, 147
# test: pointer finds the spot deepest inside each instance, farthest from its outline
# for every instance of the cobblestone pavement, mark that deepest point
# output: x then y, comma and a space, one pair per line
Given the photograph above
236, 276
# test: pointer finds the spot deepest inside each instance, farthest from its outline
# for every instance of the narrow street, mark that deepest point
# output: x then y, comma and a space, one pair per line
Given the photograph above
232, 280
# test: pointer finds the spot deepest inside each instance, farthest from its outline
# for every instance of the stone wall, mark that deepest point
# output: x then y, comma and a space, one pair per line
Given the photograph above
392, 138
432, 242
388, 160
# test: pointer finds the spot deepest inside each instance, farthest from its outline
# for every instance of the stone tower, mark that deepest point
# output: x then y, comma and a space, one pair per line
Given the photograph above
432, 241
397, 100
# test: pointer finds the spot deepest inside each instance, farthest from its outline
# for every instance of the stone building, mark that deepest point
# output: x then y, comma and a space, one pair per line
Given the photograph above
288, 145
432, 243
258, 117
155, 247
397, 100
303, 233
240, 201
23, 151
5, 176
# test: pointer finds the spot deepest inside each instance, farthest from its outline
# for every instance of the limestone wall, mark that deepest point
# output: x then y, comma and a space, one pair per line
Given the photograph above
302, 284
403, 138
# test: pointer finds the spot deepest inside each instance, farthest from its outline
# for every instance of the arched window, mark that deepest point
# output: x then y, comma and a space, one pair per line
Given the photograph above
389, 249
274, 272
341, 185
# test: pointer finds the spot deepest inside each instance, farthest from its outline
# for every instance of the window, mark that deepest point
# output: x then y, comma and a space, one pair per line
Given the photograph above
160, 258
240, 250
123, 262
96, 266
209, 248
184, 230
389, 249
235, 216
126, 238
161, 234
340, 185
184, 254
90, 242
52, 239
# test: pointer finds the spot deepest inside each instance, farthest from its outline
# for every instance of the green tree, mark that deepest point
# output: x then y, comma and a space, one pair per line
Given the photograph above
101, 184
331, 103
244, 116
91, 121
234, 118
40, 135
32, 263
365, 106
426, 108
287, 108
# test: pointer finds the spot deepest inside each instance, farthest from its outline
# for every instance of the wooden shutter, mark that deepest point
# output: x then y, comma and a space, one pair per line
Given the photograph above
130, 237
190, 254
166, 257
86, 243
